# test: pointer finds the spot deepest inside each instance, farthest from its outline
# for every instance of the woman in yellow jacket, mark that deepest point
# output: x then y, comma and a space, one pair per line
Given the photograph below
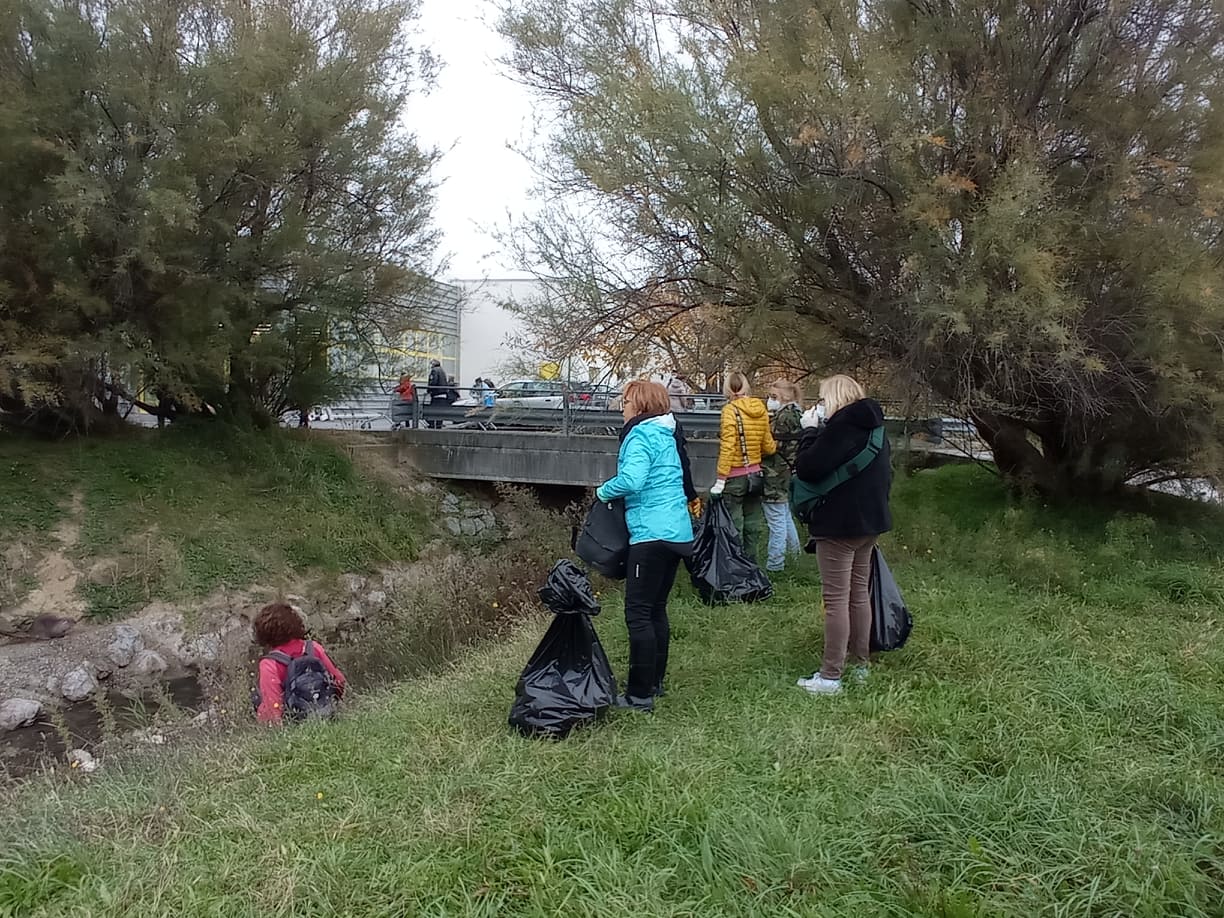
744, 439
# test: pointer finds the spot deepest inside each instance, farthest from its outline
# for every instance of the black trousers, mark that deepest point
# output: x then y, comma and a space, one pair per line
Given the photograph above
650, 574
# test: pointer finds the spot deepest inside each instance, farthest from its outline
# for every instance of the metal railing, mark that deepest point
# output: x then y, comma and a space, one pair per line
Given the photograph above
568, 412
594, 422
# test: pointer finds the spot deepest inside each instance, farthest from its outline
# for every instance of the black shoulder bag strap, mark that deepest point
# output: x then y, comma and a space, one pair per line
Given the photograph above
739, 424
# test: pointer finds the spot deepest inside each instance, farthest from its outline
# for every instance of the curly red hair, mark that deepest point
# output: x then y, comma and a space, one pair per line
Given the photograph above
277, 623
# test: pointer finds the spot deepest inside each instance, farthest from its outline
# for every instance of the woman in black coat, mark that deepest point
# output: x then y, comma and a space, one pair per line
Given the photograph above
846, 525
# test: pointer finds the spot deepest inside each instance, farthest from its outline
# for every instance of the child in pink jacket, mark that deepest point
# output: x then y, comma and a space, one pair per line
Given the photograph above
279, 630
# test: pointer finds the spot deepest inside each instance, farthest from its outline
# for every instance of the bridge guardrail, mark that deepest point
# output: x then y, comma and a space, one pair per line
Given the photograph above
590, 421
379, 404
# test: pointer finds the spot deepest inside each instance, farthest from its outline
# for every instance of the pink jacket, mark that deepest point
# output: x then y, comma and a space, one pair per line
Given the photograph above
272, 678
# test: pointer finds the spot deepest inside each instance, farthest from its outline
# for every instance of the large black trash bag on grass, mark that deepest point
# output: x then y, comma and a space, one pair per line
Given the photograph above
891, 622
568, 590
568, 681
718, 566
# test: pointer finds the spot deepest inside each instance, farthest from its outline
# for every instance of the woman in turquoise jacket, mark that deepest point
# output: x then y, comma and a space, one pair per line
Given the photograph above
652, 477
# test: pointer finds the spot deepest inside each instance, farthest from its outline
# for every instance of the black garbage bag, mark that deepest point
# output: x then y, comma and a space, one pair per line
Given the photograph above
568, 681
568, 590
603, 541
718, 566
891, 622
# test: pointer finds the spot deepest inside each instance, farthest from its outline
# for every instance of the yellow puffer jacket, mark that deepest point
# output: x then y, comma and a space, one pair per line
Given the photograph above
757, 435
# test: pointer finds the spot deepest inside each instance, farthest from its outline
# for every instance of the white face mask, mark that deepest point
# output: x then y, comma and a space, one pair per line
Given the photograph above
773, 404
820, 411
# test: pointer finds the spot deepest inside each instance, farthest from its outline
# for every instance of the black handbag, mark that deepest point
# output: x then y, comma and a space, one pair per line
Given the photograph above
603, 540
756, 480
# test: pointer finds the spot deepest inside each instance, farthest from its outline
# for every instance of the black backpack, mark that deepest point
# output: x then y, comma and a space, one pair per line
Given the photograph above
308, 687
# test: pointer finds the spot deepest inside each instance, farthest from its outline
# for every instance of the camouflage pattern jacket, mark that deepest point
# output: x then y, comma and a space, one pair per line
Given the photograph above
777, 468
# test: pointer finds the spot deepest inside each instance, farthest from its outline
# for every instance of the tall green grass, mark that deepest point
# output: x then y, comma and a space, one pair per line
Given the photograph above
180, 512
1049, 743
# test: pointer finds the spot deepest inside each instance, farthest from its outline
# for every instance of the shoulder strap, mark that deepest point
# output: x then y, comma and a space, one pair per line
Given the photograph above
281, 657
847, 470
804, 496
739, 423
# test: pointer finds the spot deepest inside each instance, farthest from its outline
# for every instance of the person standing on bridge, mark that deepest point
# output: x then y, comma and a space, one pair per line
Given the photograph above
845, 527
437, 387
744, 439
678, 391
651, 478
402, 402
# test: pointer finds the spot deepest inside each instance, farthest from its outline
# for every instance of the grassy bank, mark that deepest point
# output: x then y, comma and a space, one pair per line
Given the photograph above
174, 514
1050, 742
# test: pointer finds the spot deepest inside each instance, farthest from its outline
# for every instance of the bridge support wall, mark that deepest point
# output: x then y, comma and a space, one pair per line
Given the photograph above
528, 458
559, 459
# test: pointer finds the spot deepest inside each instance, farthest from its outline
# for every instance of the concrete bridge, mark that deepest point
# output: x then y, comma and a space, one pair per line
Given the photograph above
586, 454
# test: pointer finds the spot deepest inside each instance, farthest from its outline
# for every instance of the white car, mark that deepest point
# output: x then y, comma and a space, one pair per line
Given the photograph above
530, 393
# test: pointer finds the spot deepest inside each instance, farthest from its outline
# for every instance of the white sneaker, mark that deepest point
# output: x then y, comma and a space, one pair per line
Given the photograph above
819, 685
860, 674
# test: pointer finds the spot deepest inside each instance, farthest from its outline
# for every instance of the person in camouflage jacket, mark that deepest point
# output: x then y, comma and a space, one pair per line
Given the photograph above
786, 409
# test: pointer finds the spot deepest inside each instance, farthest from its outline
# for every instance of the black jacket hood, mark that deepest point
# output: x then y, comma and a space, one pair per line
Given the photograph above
865, 413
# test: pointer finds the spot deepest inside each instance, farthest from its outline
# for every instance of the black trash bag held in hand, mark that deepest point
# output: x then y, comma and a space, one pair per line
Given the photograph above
603, 541
719, 569
891, 622
568, 681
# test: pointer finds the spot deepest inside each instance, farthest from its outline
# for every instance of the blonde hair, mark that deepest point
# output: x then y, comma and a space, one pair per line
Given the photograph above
647, 397
789, 391
736, 385
839, 391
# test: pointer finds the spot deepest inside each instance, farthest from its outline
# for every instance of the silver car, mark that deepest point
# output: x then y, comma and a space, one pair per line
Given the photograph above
530, 393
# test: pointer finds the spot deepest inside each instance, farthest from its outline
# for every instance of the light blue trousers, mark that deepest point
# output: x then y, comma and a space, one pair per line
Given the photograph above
783, 536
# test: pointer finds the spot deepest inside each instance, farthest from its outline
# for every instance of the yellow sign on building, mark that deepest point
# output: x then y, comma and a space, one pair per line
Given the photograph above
550, 370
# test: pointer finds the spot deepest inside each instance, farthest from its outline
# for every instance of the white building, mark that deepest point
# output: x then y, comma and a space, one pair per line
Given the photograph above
405, 342
488, 331
491, 336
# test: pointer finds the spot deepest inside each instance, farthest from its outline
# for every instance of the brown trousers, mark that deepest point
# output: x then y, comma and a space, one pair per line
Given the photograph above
845, 574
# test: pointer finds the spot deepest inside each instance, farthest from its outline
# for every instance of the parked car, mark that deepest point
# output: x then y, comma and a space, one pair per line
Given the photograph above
530, 393
592, 396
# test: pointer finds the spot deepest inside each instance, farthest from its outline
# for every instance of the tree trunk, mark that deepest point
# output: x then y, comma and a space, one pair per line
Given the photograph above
1019, 461
1059, 469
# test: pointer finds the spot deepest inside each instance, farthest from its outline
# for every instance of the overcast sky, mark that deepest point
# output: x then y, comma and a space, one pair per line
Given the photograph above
474, 114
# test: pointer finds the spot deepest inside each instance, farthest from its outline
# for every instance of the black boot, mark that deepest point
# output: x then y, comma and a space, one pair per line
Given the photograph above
633, 703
